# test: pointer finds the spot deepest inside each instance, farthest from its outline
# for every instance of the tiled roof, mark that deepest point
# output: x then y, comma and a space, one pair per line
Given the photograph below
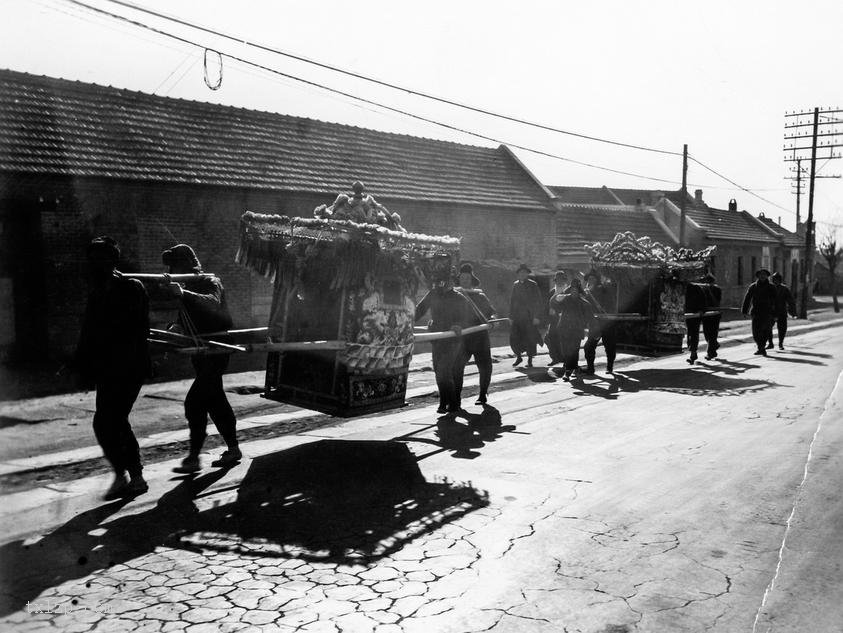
585, 224
722, 224
583, 195
789, 238
55, 126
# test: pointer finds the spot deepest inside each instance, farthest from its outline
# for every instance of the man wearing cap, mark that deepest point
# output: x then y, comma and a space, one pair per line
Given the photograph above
711, 322
204, 311
449, 310
526, 308
760, 304
477, 344
785, 304
601, 296
113, 355
551, 339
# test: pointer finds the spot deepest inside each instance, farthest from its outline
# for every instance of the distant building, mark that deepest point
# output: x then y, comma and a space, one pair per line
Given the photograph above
744, 242
79, 160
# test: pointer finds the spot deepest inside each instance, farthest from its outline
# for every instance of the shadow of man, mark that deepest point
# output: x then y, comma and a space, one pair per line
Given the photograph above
88, 543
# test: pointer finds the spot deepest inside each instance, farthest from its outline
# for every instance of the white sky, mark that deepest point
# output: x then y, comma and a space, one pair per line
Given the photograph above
718, 75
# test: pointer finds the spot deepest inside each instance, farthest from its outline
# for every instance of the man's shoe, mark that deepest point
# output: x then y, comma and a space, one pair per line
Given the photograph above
781, 347
230, 457
117, 489
770, 345
188, 465
589, 370
529, 361
517, 362
567, 376
481, 399
610, 369
137, 486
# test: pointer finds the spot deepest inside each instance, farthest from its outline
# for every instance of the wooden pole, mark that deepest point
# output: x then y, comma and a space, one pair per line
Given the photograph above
682, 202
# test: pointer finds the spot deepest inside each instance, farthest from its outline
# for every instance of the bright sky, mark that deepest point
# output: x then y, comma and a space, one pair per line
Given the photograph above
717, 75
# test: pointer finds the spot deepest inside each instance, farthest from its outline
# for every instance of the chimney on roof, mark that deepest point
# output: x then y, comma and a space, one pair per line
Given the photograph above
733, 205
698, 196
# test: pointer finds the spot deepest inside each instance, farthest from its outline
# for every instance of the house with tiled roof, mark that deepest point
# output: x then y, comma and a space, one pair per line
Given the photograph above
579, 223
744, 242
79, 160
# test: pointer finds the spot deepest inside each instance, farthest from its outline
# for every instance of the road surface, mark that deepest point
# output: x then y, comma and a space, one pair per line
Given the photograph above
666, 498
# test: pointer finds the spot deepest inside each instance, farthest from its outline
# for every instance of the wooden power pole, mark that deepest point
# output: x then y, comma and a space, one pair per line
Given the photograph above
682, 201
795, 148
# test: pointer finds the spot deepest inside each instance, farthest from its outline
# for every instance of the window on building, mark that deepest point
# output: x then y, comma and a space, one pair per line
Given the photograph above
765, 257
740, 270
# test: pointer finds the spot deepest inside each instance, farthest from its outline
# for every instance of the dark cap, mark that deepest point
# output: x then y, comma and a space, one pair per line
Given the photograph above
181, 254
103, 248
467, 269
762, 271
524, 267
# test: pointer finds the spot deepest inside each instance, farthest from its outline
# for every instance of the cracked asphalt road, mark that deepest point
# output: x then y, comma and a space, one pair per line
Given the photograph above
668, 499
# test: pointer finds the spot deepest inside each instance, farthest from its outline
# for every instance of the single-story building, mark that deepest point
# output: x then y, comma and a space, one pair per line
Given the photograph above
79, 160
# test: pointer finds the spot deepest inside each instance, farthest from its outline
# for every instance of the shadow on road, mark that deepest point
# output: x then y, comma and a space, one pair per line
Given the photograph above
463, 438
780, 357
329, 501
697, 381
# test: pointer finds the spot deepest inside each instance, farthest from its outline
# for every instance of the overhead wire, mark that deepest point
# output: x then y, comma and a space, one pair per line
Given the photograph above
386, 84
409, 91
370, 101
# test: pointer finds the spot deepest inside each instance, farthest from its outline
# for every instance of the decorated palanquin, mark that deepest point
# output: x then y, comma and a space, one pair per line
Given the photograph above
650, 280
343, 302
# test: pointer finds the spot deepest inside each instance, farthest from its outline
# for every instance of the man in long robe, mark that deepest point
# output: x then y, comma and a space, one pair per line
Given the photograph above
526, 308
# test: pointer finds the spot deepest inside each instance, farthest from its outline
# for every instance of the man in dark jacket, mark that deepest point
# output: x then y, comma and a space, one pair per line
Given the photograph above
575, 315
551, 339
760, 304
785, 304
113, 355
711, 322
204, 312
449, 310
602, 298
526, 309
477, 344
694, 305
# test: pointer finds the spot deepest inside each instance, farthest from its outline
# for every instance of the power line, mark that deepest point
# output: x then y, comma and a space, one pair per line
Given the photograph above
370, 101
349, 73
403, 112
742, 188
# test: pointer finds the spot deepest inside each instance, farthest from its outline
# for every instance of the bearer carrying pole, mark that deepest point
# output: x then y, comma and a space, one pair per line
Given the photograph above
343, 308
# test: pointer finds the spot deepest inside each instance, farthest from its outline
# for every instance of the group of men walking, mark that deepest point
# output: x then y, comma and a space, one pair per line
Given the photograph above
113, 351
570, 311
113, 356
768, 301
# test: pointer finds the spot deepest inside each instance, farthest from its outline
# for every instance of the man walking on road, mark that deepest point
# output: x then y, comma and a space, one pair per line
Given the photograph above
477, 344
760, 304
449, 310
785, 305
551, 339
526, 308
599, 295
113, 354
204, 311
711, 322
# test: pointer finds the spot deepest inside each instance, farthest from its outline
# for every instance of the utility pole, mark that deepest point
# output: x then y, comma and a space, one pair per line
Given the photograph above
682, 201
795, 148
